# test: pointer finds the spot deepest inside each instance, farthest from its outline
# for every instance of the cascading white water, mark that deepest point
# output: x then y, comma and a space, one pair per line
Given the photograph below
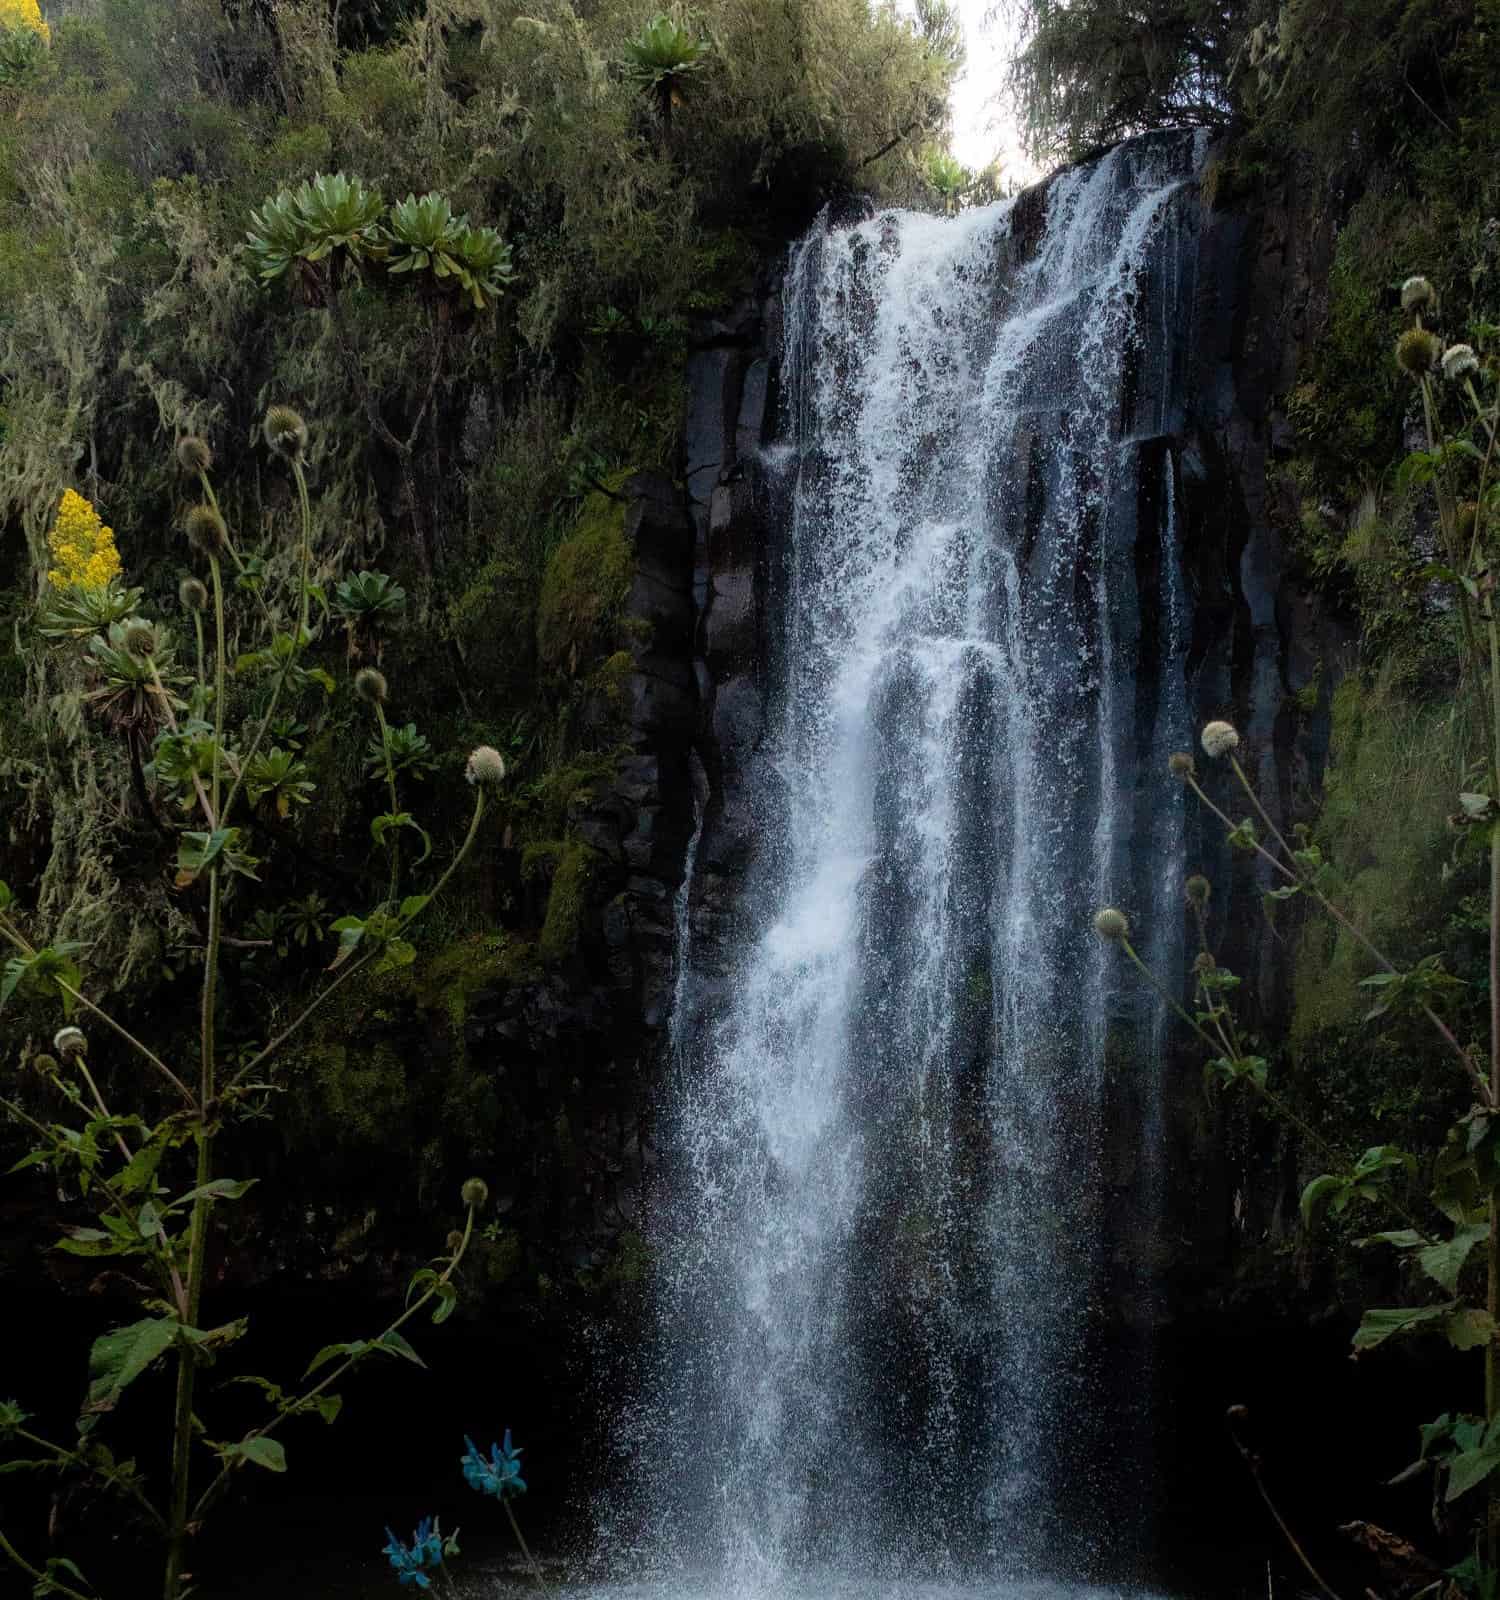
881, 1256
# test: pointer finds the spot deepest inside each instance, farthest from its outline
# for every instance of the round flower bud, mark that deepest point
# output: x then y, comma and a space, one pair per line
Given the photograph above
370, 685
140, 638
46, 1065
286, 432
486, 766
1464, 516
1198, 889
1204, 962
192, 594
475, 1194
206, 531
1237, 1414
1181, 765
1417, 294
1111, 924
453, 1242
1219, 738
193, 454
69, 1042
1417, 352
1459, 361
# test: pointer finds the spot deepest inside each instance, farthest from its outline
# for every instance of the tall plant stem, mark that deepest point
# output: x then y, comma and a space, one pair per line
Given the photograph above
55, 1585
269, 1050
390, 784
297, 637
291, 1408
12, 936
536, 1571
187, 1369
1477, 1078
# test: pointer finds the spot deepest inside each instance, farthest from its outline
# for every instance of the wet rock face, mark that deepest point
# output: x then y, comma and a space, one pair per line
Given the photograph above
1257, 639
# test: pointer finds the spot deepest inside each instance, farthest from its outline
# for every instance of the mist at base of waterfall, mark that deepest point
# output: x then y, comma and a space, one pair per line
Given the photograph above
831, 1586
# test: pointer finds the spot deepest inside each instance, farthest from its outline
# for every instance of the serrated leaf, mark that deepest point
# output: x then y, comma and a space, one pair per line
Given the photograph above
1443, 1262
1470, 1469
118, 1358
1469, 1328
397, 953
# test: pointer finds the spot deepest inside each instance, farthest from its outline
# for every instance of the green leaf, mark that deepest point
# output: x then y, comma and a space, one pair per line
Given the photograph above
327, 1406
1469, 1328
1400, 1238
1376, 1326
331, 1352
397, 1345
264, 1452
118, 1358
1471, 1468
1317, 1192
351, 931
1443, 1262
411, 906
198, 850
397, 953
7, 899
219, 1189
1379, 1157
93, 1242
40, 975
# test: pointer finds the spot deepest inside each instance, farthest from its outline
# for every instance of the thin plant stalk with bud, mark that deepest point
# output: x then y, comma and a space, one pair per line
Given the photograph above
119, 1161
1462, 1451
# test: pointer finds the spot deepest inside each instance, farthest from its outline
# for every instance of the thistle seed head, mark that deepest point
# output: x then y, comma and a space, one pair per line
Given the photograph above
1417, 294
193, 454
1417, 352
1111, 924
69, 1042
1181, 765
370, 686
192, 595
1219, 739
486, 766
46, 1065
1459, 361
140, 638
1198, 889
475, 1194
285, 432
205, 531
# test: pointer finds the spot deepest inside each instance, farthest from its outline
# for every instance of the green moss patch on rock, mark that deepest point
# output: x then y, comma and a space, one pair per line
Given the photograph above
586, 582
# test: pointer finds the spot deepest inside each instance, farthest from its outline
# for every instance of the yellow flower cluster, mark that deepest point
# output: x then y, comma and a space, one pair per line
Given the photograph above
23, 14
82, 546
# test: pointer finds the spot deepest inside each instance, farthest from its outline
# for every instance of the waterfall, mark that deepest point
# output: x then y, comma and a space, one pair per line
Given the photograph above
885, 1239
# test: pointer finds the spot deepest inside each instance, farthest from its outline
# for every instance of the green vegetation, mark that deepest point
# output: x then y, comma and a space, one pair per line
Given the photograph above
467, 238
125, 1166
1376, 905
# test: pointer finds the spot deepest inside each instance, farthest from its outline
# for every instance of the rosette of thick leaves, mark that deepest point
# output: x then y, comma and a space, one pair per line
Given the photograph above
329, 212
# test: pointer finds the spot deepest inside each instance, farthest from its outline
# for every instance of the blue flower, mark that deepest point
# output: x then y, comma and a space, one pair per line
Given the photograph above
426, 1551
499, 1475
